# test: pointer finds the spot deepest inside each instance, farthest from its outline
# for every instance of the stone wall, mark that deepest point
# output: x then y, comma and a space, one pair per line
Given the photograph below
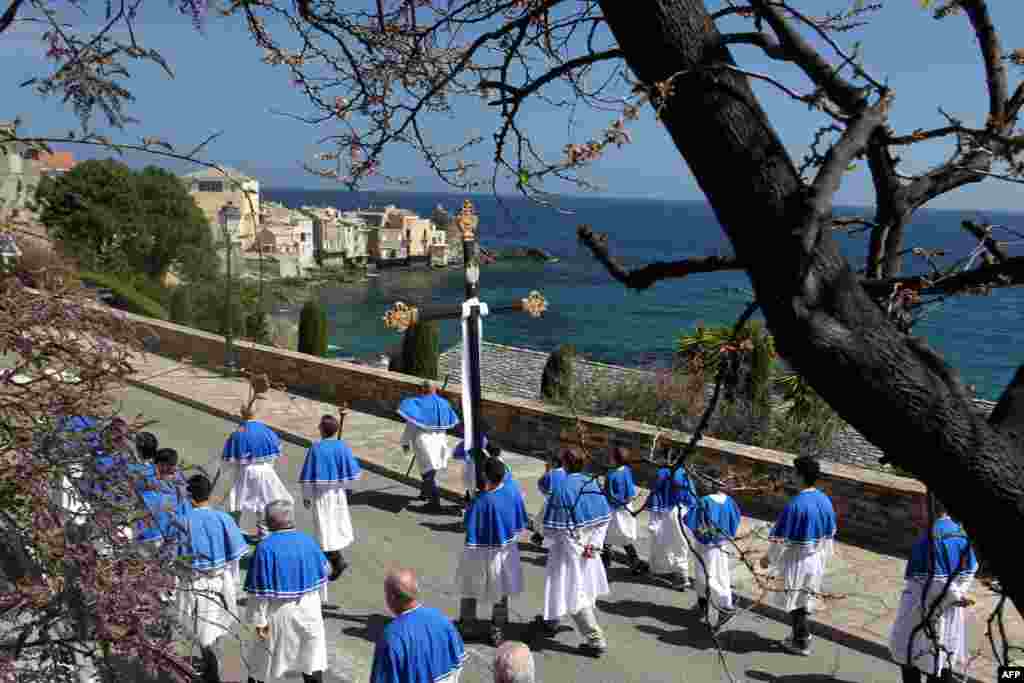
877, 510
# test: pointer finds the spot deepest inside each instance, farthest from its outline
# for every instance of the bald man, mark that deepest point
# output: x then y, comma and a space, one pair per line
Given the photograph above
420, 645
513, 663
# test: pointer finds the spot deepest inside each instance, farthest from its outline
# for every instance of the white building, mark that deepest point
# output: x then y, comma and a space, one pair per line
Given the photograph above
212, 189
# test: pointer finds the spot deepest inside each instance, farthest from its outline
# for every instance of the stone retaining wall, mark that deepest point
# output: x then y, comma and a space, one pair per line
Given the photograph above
875, 509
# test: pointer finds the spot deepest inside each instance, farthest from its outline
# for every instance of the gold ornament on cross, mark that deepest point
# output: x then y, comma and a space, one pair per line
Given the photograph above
401, 317
468, 221
534, 304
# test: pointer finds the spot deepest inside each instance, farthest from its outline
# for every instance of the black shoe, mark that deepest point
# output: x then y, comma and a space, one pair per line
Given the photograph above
536, 539
592, 650
338, 564
640, 568
545, 628
433, 507
496, 636
724, 617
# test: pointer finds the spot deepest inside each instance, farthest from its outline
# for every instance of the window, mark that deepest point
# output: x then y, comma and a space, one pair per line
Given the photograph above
211, 186
302, 237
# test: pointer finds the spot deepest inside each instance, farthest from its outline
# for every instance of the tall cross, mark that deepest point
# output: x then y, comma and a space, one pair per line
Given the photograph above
400, 316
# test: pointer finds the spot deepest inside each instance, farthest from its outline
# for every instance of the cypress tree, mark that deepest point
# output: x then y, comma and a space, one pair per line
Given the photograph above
420, 350
556, 382
313, 330
181, 306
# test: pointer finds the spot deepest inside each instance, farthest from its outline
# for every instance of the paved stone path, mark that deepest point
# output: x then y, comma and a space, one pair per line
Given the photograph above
867, 584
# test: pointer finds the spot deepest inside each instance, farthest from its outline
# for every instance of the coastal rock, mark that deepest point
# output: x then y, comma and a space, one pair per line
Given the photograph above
533, 253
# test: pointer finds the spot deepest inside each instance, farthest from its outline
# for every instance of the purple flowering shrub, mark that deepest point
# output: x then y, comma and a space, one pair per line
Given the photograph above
75, 591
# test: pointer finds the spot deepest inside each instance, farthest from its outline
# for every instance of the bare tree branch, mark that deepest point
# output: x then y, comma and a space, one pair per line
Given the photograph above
838, 89
984, 236
992, 54
8, 16
521, 92
643, 278
766, 42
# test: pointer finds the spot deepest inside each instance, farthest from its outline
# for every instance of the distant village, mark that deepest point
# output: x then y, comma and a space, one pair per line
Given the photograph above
272, 240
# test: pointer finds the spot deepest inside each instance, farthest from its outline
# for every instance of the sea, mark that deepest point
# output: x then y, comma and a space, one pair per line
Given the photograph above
608, 323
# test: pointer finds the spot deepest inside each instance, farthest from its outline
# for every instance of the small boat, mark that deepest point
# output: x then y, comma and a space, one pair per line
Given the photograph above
373, 275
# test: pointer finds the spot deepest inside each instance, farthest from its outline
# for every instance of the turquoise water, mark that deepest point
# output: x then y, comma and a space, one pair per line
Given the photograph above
606, 322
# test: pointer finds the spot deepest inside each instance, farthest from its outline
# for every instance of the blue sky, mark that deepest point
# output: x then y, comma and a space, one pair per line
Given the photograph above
221, 85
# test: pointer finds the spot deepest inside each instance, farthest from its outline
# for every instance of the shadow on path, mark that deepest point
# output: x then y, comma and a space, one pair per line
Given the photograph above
371, 625
381, 500
756, 675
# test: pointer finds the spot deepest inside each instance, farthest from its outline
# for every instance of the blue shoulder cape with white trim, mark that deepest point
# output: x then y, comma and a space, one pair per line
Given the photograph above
286, 565
460, 450
418, 646
576, 502
428, 411
807, 519
672, 490
951, 553
167, 508
621, 487
253, 442
715, 523
329, 462
212, 539
550, 480
495, 518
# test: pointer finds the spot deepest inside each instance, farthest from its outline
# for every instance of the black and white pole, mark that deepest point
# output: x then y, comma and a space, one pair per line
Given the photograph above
470, 314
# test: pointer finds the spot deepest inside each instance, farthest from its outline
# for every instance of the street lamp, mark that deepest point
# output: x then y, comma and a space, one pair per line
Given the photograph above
230, 218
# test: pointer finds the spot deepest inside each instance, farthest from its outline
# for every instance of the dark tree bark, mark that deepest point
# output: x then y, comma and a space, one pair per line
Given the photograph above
891, 387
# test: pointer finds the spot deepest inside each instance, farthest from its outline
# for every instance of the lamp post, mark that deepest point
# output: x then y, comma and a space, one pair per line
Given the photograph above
230, 217
401, 316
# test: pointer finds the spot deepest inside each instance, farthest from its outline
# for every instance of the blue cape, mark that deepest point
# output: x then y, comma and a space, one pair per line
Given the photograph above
142, 474
951, 552
576, 502
550, 480
418, 646
78, 424
807, 519
715, 523
672, 490
168, 508
621, 487
329, 462
428, 411
495, 518
460, 450
211, 539
253, 442
287, 564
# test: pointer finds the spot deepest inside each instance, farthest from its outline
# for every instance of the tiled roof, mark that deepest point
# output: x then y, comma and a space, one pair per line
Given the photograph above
517, 372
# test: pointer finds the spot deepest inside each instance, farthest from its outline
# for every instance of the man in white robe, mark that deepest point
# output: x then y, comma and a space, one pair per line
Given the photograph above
489, 567
576, 521
213, 543
939, 575
287, 584
330, 468
427, 418
248, 457
717, 519
800, 547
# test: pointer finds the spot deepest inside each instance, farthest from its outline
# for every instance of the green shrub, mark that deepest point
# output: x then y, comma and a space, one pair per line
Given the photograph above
181, 306
126, 297
420, 350
313, 330
556, 383
257, 328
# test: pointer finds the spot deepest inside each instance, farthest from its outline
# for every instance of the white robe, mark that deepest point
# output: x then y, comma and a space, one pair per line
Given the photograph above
489, 574
430, 448
573, 582
253, 486
670, 553
949, 626
331, 518
622, 528
208, 603
716, 559
297, 643
801, 569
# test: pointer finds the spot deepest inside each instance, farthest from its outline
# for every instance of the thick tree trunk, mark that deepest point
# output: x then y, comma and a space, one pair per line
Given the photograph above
891, 387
